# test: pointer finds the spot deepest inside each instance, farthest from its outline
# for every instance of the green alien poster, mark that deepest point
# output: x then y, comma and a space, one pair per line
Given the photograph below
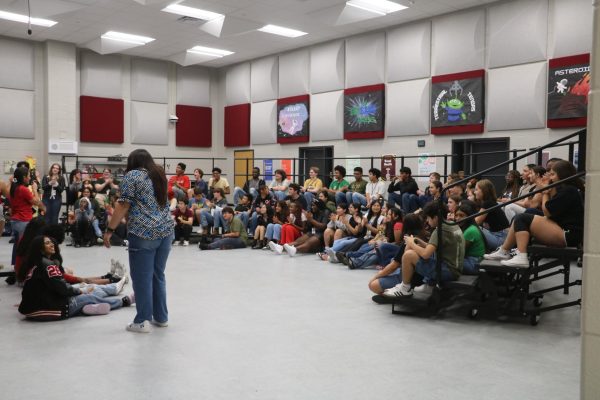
457, 103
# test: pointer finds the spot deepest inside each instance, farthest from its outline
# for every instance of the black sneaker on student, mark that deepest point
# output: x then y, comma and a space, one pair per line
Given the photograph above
381, 299
342, 257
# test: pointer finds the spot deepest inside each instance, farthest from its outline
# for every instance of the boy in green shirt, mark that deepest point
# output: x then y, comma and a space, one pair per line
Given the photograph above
358, 186
235, 237
339, 184
474, 240
420, 257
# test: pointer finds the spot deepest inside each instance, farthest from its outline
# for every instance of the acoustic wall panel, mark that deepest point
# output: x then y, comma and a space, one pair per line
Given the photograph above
237, 125
327, 67
149, 81
264, 79
517, 32
149, 123
194, 128
193, 86
458, 42
365, 60
16, 67
263, 122
517, 97
408, 118
327, 116
571, 27
237, 84
101, 120
293, 73
409, 52
17, 114
101, 75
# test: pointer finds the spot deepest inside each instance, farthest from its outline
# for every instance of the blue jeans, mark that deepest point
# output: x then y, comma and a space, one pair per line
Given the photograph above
238, 192
101, 294
253, 222
365, 248
365, 260
471, 265
279, 195
387, 252
341, 197
410, 203
395, 198
244, 216
273, 232
227, 243
494, 239
206, 218
219, 221
359, 198
340, 244
52, 209
309, 196
147, 262
18, 227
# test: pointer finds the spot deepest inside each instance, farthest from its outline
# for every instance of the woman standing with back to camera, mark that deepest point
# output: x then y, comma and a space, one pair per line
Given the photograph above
150, 233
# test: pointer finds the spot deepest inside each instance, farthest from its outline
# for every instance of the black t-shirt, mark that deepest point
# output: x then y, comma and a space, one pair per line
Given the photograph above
566, 208
322, 218
300, 199
496, 219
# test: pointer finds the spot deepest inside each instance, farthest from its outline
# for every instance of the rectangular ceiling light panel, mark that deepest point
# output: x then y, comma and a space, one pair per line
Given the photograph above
127, 38
25, 19
192, 12
282, 31
382, 7
208, 51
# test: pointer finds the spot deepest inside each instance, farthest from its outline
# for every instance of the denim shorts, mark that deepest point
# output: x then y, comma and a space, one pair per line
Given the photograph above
390, 281
426, 268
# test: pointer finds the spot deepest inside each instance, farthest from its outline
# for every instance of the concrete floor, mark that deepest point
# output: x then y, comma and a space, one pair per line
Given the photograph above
248, 324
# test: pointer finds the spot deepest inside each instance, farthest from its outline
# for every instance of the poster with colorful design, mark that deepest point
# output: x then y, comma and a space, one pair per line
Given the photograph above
292, 119
364, 112
457, 103
568, 87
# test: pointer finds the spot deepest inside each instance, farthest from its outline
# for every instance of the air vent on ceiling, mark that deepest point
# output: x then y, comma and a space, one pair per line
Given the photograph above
188, 19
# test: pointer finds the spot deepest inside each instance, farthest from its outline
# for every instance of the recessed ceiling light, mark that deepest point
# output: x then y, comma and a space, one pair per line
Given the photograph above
382, 7
192, 12
127, 38
280, 30
25, 19
208, 51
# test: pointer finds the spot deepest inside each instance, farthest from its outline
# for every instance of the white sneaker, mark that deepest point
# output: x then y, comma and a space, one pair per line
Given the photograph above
291, 250
160, 324
175, 243
143, 327
499, 254
120, 270
398, 291
275, 247
520, 260
332, 258
186, 243
120, 284
424, 289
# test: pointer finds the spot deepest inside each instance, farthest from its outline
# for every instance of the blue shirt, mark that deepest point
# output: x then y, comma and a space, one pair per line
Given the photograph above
147, 219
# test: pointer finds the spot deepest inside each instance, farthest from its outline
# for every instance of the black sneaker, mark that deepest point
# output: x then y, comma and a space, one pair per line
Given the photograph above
380, 299
342, 257
11, 280
203, 246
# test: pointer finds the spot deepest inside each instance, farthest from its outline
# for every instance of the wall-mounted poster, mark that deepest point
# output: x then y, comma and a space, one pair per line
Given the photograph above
292, 119
457, 103
568, 87
427, 163
364, 112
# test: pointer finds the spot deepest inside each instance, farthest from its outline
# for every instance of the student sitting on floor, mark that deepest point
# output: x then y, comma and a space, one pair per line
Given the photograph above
420, 257
47, 296
235, 236
273, 233
474, 239
312, 239
242, 210
293, 228
336, 227
265, 217
184, 218
390, 276
355, 229
561, 225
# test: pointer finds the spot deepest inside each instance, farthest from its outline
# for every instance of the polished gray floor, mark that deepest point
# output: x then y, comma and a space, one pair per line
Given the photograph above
247, 324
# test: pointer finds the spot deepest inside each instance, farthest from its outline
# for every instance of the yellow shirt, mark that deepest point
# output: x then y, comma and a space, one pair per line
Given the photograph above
314, 183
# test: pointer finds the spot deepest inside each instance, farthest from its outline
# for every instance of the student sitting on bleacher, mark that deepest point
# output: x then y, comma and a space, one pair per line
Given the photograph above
474, 239
265, 217
339, 185
534, 176
561, 225
211, 215
496, 224
197, 203
279, 185
420, 257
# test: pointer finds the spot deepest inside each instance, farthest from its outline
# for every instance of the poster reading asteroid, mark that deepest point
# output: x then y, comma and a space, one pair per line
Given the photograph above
568, 88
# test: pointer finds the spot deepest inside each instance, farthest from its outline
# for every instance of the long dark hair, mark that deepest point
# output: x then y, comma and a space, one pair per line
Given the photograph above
565, 169
73, 173
32, 230
36, 253
141, 159
513, 186
389, 227
18, 179
412, 224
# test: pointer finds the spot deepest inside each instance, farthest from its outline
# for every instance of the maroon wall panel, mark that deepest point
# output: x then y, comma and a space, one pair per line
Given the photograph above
101, 120
237, 125
194, 127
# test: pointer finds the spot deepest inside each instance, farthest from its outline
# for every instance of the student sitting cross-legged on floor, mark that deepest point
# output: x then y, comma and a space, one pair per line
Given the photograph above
420, 257
184, 218
235, 236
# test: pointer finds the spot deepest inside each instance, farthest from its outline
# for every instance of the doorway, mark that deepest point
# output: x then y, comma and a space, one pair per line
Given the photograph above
242, 166
465, 160
321, 157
